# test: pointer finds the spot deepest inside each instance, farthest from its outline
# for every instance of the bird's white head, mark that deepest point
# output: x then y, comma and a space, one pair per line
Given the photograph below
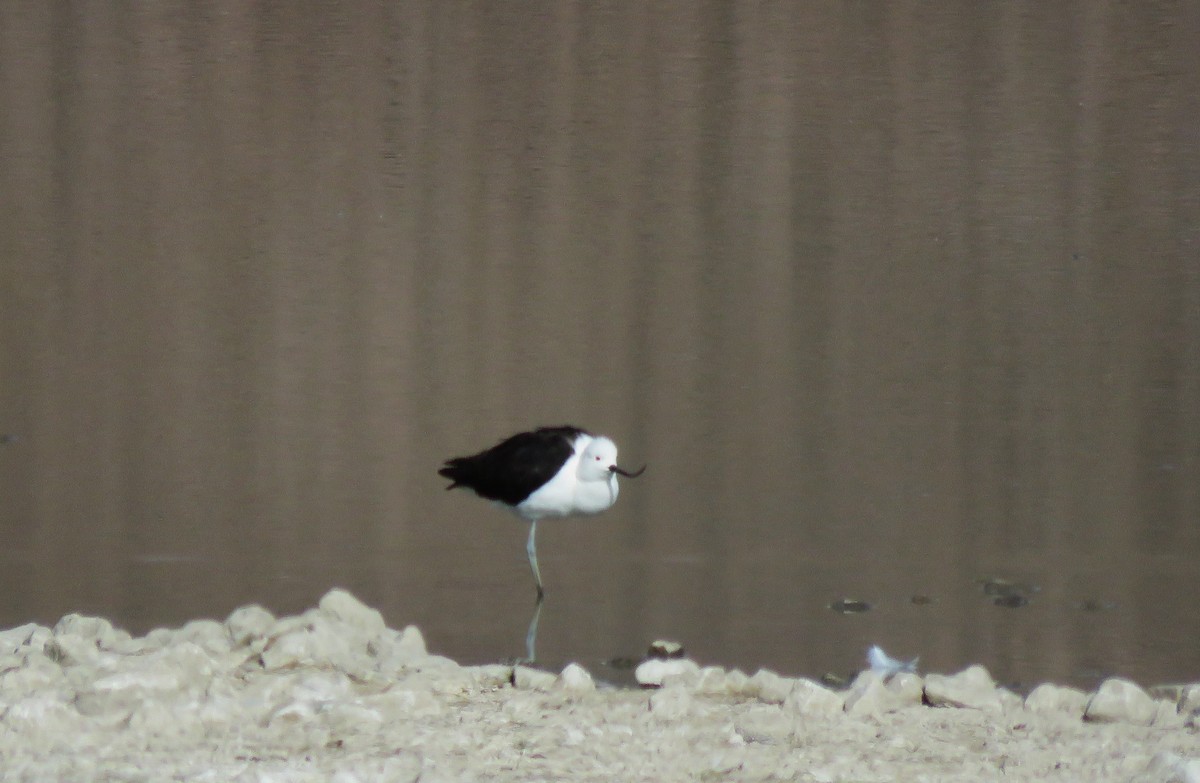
598, 462
598, 458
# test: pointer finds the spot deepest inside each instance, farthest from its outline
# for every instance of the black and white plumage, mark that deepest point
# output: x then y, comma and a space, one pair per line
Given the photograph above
544, 473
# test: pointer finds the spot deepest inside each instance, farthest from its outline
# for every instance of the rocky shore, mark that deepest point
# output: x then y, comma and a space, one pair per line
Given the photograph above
335, 695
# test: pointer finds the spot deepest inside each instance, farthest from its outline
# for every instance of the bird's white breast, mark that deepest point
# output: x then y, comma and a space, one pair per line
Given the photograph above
566, 495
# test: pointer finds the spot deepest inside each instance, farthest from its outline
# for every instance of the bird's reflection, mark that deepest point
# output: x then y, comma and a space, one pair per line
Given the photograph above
531, 634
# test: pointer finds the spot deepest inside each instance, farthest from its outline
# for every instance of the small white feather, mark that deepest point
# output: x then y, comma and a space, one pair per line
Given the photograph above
881, 663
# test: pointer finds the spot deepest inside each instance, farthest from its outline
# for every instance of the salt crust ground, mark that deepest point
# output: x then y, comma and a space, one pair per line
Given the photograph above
334, 695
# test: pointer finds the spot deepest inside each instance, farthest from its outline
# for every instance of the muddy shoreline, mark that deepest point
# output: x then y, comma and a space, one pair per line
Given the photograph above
333, 694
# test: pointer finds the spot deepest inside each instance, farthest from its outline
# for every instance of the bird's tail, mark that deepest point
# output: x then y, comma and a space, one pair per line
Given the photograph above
453, 470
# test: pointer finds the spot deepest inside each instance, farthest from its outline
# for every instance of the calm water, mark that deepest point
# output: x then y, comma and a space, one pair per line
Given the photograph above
893, 299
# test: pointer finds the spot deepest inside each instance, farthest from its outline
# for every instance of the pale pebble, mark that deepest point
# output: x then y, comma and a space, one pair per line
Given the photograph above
1048, 698
1120, 700
769, 686
340, 605
527, 678
809, 697
972, 688
869, 695
576, 679
248, 623
670, 703
656, 672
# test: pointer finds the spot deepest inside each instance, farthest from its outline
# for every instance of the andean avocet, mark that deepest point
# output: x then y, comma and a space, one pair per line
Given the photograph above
545, 473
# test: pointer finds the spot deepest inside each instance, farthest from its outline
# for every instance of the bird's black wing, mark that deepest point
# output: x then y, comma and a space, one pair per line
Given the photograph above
513, 469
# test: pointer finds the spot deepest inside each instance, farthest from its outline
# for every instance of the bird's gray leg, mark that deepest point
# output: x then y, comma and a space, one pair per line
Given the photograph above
531, 550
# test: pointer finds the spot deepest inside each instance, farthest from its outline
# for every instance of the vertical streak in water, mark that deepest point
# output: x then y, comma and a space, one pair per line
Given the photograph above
668, 254
398, 262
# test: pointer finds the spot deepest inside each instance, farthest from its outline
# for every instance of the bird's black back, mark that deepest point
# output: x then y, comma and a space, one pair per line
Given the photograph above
513, 469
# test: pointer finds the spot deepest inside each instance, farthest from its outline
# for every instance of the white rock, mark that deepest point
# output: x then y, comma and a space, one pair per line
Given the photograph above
302, 723
29, 636
765, 724
491, 675
316, 641
399, 768
670, 703
972, 688
1167, 715
684, 672
344, 607
406, 704
526, 678
397, 653
656, 672
769, 686
28, 674
1167, 767
219, 707
95, 628
438, 664
263, 693
43, 718
869, 695
155, 640
907, 687
736, 682
73, 650
711, 680
412, 643
123, 691
143, 645
248, 623
808, 697
575, 679
193, 663
321, 687
1048, 699
352, 723
1010, 701
176, 717
207, 634
300, 648
1120, 701
283, 698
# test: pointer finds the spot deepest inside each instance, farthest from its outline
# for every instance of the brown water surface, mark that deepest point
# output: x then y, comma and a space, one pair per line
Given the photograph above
894, 299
